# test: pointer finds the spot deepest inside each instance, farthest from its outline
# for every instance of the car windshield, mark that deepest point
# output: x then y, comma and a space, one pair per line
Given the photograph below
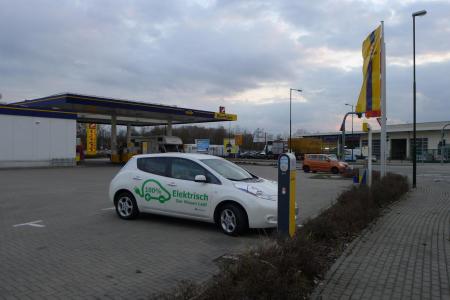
228, 169
332, 157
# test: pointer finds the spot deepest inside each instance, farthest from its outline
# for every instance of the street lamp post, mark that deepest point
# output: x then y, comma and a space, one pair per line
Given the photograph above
352, 127
414, 15
290, 115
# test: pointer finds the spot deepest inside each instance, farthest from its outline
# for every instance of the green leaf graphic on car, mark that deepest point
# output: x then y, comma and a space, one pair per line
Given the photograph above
152, 189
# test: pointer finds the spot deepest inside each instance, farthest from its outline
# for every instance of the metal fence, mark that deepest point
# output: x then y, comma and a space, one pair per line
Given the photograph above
434, 155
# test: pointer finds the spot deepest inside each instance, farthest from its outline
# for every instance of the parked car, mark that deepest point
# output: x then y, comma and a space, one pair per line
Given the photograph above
374, 158
244, 154
195, 186
333, 156
352, 154
261, 155
249, 154
324, 163
253, 154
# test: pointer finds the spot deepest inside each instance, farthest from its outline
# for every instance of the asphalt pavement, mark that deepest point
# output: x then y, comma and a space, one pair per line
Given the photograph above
61, 238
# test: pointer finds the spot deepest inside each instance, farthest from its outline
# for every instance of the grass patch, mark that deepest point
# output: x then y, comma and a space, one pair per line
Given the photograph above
290, 268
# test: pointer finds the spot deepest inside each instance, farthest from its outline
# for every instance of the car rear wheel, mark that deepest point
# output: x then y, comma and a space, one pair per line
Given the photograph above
232, 220
306, 169
334, 170
126, 206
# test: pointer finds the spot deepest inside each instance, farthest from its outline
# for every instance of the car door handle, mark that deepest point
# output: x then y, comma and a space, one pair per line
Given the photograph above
172, 184
137, 178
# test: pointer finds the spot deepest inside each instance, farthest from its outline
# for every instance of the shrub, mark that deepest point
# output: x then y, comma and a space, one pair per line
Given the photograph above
287, 268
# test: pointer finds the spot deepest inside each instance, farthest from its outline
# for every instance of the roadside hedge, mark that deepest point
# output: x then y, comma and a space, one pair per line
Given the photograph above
290, 268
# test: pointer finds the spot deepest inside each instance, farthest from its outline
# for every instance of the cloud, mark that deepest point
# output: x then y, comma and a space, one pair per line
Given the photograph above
241, 54
422, 59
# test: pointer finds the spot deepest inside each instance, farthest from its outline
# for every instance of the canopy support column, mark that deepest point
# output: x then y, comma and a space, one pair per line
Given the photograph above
128, 135
114, 156
169, 128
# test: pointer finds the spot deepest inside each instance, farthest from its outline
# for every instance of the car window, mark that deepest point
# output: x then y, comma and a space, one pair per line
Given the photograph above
186, 169
154, 165
228, 169
332, 157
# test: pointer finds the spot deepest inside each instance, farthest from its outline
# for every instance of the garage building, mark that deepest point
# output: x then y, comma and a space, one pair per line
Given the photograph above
399, 140
36, 137
42, 132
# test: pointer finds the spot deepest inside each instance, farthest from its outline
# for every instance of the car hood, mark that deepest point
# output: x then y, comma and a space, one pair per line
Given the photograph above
264, 186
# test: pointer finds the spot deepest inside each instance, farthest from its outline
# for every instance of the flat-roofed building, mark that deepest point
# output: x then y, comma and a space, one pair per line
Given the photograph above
399, 140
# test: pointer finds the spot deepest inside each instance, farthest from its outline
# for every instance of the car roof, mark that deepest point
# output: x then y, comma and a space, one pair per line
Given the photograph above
178, 154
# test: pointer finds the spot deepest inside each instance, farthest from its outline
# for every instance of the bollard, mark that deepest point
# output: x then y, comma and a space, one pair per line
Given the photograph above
286, 194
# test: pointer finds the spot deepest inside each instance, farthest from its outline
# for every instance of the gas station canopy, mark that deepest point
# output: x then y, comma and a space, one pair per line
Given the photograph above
100, 110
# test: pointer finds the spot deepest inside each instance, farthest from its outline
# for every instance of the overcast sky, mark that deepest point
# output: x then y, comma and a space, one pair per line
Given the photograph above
244, 55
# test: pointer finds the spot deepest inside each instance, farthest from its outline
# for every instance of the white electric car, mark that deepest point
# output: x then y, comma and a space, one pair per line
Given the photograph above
195, 186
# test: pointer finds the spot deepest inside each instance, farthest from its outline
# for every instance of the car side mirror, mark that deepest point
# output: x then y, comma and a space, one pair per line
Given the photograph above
200, 178
328, 160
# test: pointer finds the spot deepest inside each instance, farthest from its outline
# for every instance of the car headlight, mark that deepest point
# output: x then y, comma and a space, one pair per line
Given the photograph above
253, 190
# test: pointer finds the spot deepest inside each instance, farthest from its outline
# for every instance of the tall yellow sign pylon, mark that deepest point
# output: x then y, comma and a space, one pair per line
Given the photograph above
91, 139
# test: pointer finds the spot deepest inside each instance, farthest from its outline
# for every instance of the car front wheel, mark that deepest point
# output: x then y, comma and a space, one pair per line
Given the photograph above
232, 220
126, 206
334, 170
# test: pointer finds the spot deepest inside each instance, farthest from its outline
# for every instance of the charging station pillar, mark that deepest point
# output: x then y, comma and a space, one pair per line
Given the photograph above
286, 194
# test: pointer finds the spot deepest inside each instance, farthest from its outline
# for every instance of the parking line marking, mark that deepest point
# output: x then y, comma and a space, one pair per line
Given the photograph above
32, 224
109, 208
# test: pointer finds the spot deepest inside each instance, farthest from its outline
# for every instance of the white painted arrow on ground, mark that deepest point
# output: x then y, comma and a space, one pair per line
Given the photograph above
109, 208
32, 224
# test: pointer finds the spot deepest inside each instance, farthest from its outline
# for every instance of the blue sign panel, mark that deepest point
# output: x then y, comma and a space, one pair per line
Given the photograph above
202, 145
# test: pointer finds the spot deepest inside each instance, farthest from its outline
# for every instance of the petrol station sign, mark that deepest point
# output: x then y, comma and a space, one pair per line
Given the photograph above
221, 115
91, 139
238, 139
230, 146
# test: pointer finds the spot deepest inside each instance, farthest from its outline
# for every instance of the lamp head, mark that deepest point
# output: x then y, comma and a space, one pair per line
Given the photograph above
419, 13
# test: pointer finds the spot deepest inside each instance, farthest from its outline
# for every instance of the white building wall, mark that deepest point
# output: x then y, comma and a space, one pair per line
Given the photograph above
430, 130
434, 137
36, 141
41, 138
6, 135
